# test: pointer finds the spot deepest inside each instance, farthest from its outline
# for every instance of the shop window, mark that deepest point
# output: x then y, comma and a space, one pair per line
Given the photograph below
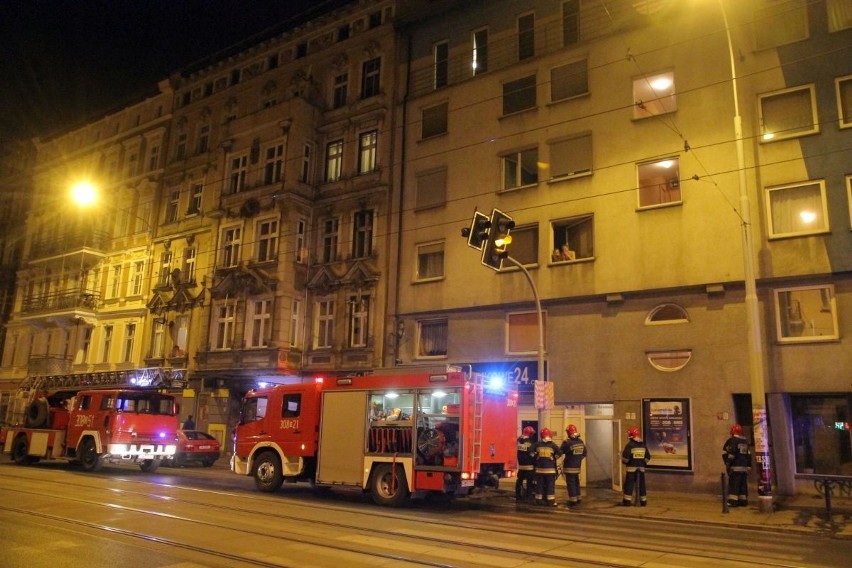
821, 433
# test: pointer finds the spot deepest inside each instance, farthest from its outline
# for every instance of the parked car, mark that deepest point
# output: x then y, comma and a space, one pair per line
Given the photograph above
195, 445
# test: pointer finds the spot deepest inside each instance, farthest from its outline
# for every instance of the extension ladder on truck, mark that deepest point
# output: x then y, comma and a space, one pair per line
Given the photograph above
478, 381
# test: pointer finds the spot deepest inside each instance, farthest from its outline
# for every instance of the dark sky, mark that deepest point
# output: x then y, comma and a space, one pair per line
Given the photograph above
62, 61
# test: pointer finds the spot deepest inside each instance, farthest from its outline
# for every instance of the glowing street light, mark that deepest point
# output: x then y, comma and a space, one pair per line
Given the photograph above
84, 193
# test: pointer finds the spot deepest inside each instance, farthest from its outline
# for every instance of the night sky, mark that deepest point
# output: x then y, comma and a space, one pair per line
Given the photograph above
65, 61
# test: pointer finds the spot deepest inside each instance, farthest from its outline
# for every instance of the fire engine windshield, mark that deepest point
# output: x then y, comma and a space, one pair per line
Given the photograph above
144, 403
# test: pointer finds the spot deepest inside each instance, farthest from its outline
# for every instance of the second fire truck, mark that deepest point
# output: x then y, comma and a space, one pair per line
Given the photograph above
392, 435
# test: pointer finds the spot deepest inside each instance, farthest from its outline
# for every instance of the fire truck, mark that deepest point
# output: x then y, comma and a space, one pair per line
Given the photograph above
93, 418
395, 436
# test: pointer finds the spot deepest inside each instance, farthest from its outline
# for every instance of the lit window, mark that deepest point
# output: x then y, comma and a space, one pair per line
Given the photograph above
522, 333
333, 160
430, 261
843, 86
788, 114
367, 145
571, 157
797, 209
519, 95
569, 80
669, 361
654, 95
665, 314
480, 51
431, 338
520, 168
806, 314
189, 255
573, 239
659, 183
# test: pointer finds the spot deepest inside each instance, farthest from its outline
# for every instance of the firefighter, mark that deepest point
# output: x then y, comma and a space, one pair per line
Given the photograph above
737, 459
545, 453
574, 450
524, 488
635, 457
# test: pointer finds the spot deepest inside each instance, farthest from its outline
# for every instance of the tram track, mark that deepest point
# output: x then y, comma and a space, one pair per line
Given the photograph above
490, 537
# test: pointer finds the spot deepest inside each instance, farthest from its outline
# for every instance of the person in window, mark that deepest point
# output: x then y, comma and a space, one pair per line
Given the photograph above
567, 253
396, 415
189, 423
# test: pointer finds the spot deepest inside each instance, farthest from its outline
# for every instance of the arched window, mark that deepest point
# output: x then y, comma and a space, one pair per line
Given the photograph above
669, 361
667, 313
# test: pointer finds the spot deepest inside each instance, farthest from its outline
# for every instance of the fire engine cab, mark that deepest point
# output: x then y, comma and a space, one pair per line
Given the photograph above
130, 419
393, 435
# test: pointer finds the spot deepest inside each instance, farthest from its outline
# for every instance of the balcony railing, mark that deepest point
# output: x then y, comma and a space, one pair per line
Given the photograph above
61, 301
69, 242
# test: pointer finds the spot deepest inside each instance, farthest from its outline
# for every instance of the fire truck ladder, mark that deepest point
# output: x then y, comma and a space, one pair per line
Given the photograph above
155, 377
478, 395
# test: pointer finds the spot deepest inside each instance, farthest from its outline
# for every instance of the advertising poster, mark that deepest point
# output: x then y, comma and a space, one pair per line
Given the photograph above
667, 430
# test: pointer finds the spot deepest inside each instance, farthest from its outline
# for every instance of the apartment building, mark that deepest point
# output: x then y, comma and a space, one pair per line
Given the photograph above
83, 280
607, 132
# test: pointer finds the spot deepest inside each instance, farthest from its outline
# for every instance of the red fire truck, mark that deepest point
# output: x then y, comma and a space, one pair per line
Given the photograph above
393, 435
59, 418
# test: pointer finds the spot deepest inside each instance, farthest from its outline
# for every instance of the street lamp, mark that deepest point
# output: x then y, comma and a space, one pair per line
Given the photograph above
755, 338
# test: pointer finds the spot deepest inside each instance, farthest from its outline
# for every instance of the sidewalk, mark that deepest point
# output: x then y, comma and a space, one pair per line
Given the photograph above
804, 513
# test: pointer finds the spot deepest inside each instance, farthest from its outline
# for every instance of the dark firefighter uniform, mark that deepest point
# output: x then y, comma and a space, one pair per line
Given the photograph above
575, 451
545, 453
635, 457
737, 457
526, 469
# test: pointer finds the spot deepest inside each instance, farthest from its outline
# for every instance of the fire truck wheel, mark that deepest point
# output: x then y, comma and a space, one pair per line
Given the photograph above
389, 487
37, 414
89, 458
268, 475
149, 466
20, 451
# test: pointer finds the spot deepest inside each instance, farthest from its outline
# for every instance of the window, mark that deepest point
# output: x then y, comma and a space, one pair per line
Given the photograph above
129, 339
362, 237
571, 157
797, 209
359, 313
136, 278
520, 168
158, 336
573, 238
524, 247
203, 139
367, 144
115, 283
788, 113
343, 32
375, 19
519, 95
301, 50
324, 332
225, 316
189, 255
659, 183
237, 176
340, 91
267, 240
330, 228
569, 80
849, 197
526, 36
806, 314
301, 252
779, 23
843, 86
431, 338
296, 324
195, 194
307, 163
654, 95
180, 147
669, 361
570, 22
181, 336
434, 121
291, 405
154, 158
480, 51
231, 239
107, 344
333, 160
430, 261
441, 62
260, 323
165, 268
85, 345
172, 206
666, 314
273, 167
371, 78
522, 335
431, 188
821, 432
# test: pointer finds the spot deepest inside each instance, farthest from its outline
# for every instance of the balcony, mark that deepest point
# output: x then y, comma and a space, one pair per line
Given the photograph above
80, 246
61, 308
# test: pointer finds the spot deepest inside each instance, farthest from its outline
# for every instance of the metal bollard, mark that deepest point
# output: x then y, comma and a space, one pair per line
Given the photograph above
725, 508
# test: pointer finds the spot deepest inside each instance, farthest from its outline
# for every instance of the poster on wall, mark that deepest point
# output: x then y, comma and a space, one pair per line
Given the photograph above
667, 429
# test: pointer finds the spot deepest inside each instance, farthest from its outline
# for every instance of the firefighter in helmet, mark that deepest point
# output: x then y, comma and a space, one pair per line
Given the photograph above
524, 485
737, 457
545, 453
635, 457
574, 450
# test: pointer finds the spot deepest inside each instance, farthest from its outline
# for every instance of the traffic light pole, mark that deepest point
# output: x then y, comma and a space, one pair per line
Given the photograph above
543, 413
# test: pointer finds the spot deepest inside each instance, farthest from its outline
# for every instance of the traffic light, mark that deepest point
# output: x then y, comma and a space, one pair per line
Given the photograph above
477, 233
494, 249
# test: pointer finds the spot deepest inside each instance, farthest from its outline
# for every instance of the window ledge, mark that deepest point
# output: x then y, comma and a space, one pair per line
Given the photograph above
575, 261
518, 188
784, 236
566, 99
443, 134
659, 206
568, 177
518, 113
428, 280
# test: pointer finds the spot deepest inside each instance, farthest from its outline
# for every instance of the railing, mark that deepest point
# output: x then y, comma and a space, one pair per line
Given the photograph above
60, 301
69, 242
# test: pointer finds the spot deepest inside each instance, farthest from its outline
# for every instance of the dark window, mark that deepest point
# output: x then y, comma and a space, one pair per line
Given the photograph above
442, 64
292, 407
526, 36
371, 78
570, 22
301, 50
519, 95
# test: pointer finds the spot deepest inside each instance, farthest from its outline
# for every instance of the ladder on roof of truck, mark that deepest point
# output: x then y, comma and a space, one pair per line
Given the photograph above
159, 377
